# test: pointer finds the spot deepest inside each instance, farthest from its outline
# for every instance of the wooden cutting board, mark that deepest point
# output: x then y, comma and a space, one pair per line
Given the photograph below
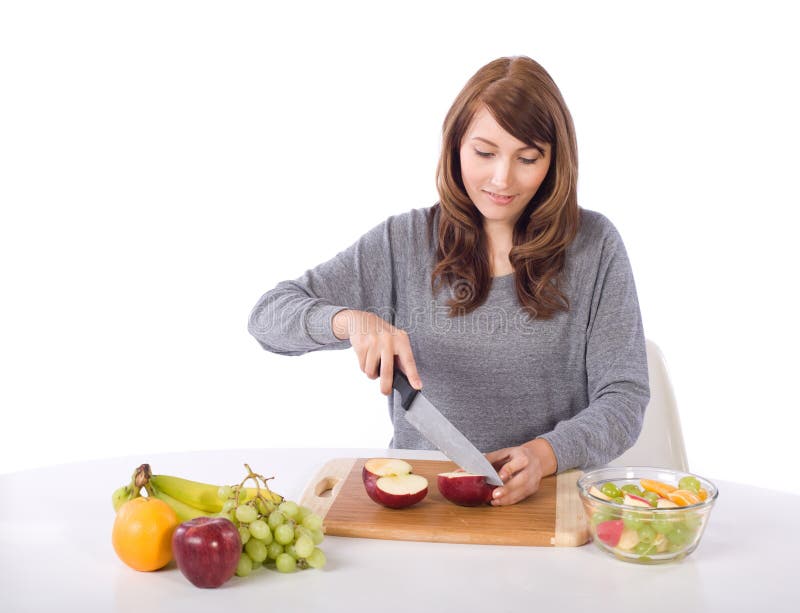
551, 517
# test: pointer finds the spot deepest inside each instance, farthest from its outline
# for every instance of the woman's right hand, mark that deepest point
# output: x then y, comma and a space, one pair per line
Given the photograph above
377, 342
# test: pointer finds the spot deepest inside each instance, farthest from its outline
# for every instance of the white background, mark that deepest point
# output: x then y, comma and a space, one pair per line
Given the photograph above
163, 164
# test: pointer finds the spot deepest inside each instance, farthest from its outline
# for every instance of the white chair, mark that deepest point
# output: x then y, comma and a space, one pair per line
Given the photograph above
661, 441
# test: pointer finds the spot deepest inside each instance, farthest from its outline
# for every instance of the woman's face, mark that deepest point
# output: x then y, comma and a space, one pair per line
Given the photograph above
501, 174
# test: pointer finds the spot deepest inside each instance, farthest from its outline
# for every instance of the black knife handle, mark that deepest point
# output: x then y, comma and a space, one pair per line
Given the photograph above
401, 384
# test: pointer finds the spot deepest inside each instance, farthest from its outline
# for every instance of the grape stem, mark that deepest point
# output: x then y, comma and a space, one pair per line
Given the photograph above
259, 480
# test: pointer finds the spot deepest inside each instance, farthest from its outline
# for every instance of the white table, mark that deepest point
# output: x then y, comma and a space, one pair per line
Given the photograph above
56, 555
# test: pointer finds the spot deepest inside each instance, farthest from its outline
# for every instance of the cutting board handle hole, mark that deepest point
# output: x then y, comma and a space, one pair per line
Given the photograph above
324, 488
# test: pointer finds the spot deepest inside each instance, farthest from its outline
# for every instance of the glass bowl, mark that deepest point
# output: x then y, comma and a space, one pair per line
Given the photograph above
644, 533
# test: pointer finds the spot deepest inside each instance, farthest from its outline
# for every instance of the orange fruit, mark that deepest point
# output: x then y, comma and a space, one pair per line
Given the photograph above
142, 533
662, 489
702, 493
684, 497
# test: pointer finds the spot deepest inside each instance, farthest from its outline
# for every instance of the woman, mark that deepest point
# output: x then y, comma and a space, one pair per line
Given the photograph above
515, 307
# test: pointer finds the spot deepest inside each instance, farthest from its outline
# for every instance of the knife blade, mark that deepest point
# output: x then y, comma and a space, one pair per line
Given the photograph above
434, 426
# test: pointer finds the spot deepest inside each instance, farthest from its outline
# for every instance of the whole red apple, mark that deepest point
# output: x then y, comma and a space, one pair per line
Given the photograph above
207, 550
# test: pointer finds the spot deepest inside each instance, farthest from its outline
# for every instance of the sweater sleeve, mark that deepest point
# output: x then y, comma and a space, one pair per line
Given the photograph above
616, 369
295, 317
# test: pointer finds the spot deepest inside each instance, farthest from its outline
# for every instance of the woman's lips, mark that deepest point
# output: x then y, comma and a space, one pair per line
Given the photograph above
499, 198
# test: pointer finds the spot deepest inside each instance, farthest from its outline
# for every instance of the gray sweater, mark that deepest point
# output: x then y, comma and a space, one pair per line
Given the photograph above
578, 380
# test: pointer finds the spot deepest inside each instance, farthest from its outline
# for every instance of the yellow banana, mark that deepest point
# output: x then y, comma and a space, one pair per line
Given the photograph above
202, 496
250, 493
184, 511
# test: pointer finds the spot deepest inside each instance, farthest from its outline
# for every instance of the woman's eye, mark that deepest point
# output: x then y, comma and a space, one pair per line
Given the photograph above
483, 154
528, 160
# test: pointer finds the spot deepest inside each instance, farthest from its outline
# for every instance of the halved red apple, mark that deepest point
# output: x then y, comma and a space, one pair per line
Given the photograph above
395, 494
465, 489
401, 491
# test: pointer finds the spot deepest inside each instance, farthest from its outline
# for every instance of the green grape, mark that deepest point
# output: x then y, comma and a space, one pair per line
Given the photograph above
256, 565
651, 497
689, 483
618, 500
275, 519
312, 521
264, 508
290, 549
284, 534
679, 535
675, 547
244, 534
274, 550
302, 513
630, 488
256, 550
304, 546
245, 566
246, 514
286, 563
662, 526
611, 490
316, 559
693, 521
317, 536
259, 529
646, 534
300, 531
225, 492
632, 520
289, 509
600, 517
642, 549
228, 506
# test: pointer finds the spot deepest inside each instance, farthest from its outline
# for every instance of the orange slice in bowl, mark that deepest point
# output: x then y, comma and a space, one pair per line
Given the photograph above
702, 493
660, 488
683, 497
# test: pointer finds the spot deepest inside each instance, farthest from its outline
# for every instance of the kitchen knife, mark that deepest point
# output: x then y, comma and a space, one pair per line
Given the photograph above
425, 417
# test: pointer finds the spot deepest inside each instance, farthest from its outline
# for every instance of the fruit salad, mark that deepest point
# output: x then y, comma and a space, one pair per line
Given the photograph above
647, 519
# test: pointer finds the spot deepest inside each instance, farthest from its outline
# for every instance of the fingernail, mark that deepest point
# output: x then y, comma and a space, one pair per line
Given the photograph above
496, 493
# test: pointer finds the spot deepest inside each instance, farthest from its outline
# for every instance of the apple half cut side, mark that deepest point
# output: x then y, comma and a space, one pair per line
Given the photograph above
401, 491
465, 489
375, 468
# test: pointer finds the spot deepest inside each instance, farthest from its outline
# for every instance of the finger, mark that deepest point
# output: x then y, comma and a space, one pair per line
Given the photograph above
408, 365
371, 363
387, 371
498, 458
361, 355
519, 487
517, 462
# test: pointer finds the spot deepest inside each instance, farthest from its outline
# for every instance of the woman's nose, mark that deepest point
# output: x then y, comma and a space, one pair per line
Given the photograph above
500, 176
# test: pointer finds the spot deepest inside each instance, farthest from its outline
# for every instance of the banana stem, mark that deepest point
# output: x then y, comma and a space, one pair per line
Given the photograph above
141, 479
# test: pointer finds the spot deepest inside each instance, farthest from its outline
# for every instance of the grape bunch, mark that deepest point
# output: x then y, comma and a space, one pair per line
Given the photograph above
281, 533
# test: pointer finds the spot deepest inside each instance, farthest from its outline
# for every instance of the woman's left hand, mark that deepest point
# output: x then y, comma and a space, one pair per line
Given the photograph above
521, 469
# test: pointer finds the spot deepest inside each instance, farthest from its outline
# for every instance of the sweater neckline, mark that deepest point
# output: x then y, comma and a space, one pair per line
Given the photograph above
502, 277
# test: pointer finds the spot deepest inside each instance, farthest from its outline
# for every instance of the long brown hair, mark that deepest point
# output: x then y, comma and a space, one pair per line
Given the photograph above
526, 102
